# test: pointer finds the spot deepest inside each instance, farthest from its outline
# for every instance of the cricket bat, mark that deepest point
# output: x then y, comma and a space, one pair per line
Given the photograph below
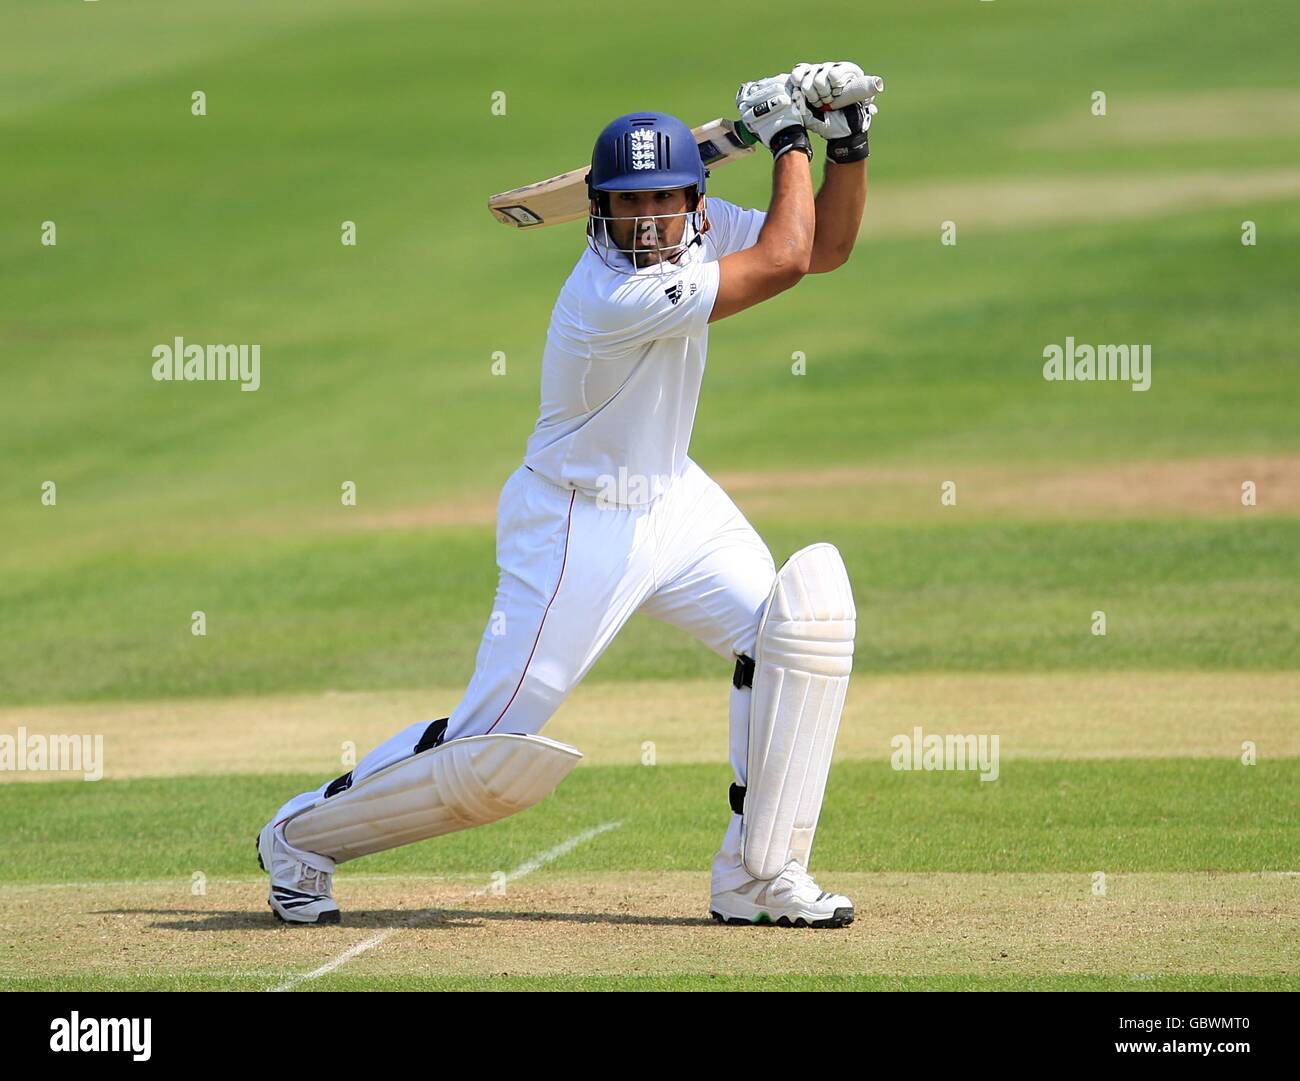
564, 197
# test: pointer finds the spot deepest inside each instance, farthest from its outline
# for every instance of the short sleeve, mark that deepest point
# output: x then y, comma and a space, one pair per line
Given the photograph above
647, 307
733, 227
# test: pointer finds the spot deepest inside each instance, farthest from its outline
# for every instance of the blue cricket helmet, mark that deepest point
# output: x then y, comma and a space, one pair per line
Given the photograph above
645, 152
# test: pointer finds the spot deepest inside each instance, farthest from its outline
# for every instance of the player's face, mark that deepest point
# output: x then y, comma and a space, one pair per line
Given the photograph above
636, 226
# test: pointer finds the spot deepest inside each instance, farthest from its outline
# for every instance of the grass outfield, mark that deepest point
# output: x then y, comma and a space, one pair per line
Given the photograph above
328, 625
1130, 815
407, 607
376, 358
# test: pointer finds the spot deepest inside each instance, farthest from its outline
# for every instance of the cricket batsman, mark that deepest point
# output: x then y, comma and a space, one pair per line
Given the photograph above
608, 515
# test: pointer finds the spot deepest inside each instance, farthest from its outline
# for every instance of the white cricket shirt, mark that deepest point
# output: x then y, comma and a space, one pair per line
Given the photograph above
623, 364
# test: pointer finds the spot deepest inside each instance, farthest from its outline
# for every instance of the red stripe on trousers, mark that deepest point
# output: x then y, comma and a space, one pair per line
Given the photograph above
568, 528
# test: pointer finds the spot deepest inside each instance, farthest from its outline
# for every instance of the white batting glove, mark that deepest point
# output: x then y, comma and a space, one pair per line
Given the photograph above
830, 84
773, 114
849, 95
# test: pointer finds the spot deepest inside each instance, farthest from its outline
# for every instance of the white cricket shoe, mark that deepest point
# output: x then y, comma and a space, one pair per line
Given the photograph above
300, 893
791, 899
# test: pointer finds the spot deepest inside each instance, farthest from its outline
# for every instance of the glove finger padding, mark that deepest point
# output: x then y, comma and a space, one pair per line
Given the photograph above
831, 83
767, 108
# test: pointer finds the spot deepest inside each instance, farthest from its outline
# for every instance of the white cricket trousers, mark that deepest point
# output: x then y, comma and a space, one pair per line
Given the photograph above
573, 569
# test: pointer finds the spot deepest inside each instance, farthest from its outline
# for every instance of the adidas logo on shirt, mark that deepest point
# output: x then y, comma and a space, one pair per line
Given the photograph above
674, 291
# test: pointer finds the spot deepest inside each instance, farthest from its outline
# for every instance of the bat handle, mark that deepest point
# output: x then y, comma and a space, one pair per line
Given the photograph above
750, 139
859, 90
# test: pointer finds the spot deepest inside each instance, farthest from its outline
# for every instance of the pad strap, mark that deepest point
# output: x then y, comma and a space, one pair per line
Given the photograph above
737, 797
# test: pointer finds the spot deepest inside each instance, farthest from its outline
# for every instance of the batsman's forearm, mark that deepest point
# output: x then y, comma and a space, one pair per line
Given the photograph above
839, 205
788, 232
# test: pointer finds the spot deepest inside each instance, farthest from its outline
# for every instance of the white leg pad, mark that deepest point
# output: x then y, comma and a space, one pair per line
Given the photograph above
802, 661
458, 784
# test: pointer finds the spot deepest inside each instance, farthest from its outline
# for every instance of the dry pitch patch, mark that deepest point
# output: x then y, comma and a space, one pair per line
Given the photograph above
1036, 202
1040, 715
1194, 487
1197, 117
637, 924
875, 492
1189, 488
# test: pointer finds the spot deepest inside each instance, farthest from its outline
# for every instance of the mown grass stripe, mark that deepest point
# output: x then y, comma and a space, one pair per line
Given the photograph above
1168, 814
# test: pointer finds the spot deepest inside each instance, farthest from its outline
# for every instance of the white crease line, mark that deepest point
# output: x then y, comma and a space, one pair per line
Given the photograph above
562, 849
525, 868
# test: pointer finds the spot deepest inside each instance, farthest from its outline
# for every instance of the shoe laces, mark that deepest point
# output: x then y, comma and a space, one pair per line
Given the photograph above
797, 874
313, 879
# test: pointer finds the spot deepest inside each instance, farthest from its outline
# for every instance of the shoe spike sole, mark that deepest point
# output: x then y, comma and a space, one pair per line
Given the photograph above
842, 918
325, 917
